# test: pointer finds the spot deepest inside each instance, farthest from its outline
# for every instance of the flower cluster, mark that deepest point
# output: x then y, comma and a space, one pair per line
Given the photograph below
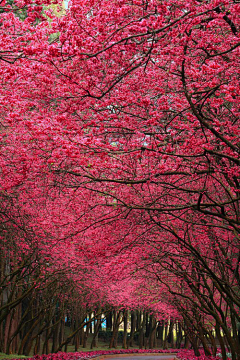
182, 354
189, 355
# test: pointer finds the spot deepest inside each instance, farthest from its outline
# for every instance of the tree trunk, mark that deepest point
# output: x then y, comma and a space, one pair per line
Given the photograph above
141, 331
85, 337
37, 345
160, 328
133, 328
125, 319
56, 334
170, 338
97, 326
109, 322
152, 335
117, 317
221, 342
165, 336
46, 342
179, 336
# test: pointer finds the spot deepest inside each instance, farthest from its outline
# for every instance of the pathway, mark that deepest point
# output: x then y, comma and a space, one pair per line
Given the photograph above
140, 357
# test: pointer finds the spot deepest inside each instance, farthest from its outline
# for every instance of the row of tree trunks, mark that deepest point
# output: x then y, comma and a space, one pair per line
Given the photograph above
27, 331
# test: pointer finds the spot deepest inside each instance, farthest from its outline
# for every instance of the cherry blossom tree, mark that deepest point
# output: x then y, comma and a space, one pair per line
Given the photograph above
119, 139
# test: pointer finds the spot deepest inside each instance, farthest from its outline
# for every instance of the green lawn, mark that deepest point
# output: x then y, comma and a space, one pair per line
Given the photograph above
12, 356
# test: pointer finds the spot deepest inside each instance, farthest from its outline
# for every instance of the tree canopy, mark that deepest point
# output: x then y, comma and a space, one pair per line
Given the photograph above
120, 159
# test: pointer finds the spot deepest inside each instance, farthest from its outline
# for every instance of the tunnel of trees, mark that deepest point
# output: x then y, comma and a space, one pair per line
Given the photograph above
119, 175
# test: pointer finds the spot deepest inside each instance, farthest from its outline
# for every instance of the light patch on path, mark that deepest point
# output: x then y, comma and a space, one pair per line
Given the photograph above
140, 357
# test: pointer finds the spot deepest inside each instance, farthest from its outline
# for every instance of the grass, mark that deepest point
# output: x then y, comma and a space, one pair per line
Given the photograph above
11, 356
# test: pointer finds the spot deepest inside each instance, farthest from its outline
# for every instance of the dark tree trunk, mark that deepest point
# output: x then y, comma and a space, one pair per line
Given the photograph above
133, 328
117, 321
152, 335
170, 333
160, 333
179, 336
86, 333
165, 346
97, 325
147, 326
125, 319
141, 331
109, 322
